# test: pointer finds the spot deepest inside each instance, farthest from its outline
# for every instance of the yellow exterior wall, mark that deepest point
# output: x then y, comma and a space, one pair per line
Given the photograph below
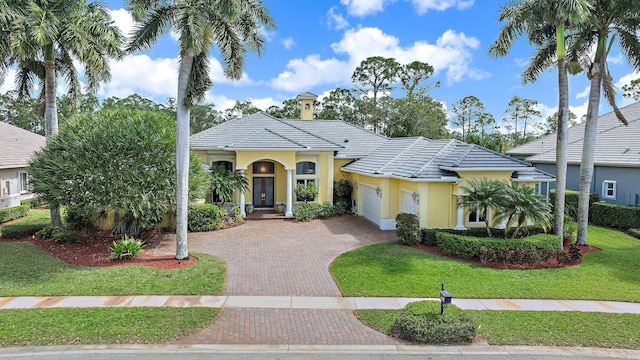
441, 209
202, 156
244, 159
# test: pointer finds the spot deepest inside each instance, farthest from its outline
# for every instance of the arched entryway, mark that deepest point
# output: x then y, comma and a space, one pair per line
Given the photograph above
263, 184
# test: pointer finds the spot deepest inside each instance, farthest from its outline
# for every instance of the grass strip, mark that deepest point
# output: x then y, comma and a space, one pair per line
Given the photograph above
535, 328
37, 327
389, 269
27, 270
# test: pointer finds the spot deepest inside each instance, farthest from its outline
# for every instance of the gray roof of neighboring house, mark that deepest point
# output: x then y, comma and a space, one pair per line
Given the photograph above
424, 159
616, 144
17, 146
261, 131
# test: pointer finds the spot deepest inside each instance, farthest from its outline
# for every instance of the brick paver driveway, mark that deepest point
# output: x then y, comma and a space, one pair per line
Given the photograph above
282, 257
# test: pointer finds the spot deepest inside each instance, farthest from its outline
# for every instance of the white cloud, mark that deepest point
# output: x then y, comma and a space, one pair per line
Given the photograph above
9, 81
123, 21
265, 103
363, 7
140, 74
422, 6
451, 53
580, 110
584, 94
288, 42
521, 62
311, 71
336, 21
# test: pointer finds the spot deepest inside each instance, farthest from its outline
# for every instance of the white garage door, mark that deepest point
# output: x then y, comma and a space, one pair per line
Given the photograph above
408, 205
370, 204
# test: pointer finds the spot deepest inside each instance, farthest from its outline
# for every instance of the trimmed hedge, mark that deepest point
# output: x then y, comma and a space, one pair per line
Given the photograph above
530, 250
32, 202
635, 233
19, 231
317, 210
571, 201
428, 236
615, 216
205, 217
13, 213
427, 327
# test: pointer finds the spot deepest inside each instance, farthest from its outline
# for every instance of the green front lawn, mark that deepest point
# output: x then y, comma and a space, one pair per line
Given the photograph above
101, 325
26, 270
534, 328
394, 270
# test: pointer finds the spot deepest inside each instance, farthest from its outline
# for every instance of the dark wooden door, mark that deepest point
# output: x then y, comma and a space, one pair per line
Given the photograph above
263, 192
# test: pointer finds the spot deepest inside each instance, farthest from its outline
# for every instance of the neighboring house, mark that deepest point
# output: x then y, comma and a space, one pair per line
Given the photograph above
390, 176
16, 148
616, 176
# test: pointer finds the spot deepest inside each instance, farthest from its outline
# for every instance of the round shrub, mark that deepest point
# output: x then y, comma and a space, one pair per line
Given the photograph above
408, 229
431, 328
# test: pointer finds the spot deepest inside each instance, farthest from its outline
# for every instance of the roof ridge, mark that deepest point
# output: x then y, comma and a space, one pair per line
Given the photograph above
447, 145
414, 142
308, 132
286, 138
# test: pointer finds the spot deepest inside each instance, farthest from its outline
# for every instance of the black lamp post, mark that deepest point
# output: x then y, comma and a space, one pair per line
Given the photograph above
445, 299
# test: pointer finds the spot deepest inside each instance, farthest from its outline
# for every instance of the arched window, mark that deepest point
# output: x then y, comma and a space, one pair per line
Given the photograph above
306, 168
263, 167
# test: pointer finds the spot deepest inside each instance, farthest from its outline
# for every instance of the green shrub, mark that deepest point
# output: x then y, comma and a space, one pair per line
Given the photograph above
126, 248
33, 202
205, 217
306, 193
428, 237
408, 229
62, 235
13, 213
305, 212
571, 201
430, 328
233, 216
615, 216
340, 208
323, 210
45, 233
19, 231
530, 250
635, 232
342, 190
79, 218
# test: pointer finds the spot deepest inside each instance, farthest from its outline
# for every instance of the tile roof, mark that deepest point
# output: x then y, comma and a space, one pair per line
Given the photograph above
424, 159
261, 131
616, 144
17, 146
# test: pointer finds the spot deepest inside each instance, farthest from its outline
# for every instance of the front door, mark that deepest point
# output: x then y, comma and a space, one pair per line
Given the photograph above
263, 192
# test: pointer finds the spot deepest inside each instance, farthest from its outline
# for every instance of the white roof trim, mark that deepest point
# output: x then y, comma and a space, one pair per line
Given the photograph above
486, 168
442, 179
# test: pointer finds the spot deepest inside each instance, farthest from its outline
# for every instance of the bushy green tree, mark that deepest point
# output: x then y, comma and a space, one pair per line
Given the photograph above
483, 195
522, 205
120, 161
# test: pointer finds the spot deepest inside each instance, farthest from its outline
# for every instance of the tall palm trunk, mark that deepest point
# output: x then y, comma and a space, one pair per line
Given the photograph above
51, 114
561, 145
182, 158
588, 149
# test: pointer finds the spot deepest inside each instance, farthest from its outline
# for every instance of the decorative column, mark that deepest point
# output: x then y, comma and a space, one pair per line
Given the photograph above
460, 217
242, 210
289, 211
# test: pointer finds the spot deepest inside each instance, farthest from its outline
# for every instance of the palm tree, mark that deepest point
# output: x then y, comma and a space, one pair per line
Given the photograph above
522, 205
482, 195
225, 182
43, 40
234, 26
608, 20
545, 22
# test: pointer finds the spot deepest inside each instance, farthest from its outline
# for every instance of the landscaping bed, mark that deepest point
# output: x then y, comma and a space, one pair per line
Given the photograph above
94, 251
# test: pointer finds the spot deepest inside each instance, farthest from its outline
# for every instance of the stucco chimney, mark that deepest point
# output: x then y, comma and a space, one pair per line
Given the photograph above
306, 105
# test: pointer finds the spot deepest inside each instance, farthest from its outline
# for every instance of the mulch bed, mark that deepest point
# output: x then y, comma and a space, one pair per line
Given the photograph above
549, 264
94, 251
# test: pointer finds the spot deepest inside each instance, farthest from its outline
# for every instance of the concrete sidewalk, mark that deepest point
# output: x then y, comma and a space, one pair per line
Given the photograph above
308, 302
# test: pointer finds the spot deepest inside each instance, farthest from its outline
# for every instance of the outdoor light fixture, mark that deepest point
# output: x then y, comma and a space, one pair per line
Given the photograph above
445, 299
416, 198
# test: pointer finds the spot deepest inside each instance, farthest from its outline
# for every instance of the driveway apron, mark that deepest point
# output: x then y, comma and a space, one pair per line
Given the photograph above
283, 257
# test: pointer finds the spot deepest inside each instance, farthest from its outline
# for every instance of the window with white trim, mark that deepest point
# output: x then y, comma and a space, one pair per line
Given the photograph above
609, 189
306, 173
475, 217
23, 182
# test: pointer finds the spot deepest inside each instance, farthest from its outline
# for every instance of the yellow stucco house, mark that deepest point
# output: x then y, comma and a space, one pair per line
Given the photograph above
389, 175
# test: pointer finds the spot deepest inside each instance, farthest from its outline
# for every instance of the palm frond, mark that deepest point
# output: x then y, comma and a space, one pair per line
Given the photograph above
542, 60
199, 80
156, 23
610, 94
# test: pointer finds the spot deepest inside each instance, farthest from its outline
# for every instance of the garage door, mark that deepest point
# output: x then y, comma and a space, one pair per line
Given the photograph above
370, 204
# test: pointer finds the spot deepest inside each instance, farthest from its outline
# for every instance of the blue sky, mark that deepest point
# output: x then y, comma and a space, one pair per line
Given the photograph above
318, 44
